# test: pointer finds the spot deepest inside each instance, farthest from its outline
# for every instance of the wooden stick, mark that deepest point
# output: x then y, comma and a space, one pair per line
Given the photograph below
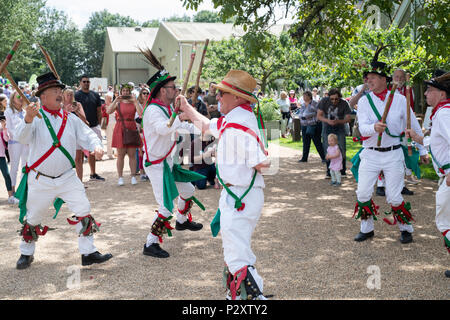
184, 88
386, 110
9, 56
16, 87
199, 73
408, 112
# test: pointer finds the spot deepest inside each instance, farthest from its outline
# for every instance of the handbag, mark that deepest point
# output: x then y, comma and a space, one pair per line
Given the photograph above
129, 137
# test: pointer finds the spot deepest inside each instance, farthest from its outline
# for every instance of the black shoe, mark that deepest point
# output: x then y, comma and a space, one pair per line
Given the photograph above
24, 262
193, 226
96, 177
406, 237
380, 192
95, 257
447, 273
364, 236
302, 160
407, 192
155, 250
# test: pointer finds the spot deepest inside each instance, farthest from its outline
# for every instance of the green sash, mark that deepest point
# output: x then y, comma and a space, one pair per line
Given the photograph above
177, 174
22, 190
411, 162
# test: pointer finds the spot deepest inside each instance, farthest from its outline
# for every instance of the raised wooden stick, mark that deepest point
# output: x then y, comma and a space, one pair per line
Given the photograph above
184, 88
408, 112
9, 56
16, 87
199, 73
386, 110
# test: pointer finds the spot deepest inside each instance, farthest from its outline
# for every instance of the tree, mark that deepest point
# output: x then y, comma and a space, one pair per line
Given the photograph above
20, 19
275, 61
207, 16
324, 26
94, 34
64, 43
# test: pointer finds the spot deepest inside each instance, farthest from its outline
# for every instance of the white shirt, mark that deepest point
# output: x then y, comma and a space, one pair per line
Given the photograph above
37, 136
396, 121
439, 140
284, 104
159, 138
13, 118
237, 151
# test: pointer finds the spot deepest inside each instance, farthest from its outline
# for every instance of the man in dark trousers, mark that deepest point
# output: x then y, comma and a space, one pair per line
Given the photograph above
90, 100
334, 113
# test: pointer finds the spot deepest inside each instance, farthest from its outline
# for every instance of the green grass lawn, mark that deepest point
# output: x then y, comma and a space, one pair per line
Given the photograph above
427, 171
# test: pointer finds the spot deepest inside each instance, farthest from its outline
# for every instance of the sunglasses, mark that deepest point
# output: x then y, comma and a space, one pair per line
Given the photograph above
146, 93
84, 81
172, 87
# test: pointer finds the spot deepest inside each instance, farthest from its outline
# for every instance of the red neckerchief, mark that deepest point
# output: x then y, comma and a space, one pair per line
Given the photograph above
162, 104
439, 106
381, 95
246, 107
54, 113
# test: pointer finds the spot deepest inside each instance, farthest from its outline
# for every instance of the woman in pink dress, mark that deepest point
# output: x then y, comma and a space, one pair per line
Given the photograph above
125, 107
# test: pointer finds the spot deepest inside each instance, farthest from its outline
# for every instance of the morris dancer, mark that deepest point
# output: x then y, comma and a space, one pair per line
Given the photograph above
168, 179
388, 157
438, 143
240, 158
48, 174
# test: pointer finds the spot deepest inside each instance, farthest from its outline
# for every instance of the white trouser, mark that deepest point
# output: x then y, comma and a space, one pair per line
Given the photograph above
109, 134
18, 154
372, 162
236, 228
185, 189
443, 208
41, 194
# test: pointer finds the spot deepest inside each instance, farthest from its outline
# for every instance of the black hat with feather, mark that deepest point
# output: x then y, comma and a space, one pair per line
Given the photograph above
378, 67
440, 80
160, 78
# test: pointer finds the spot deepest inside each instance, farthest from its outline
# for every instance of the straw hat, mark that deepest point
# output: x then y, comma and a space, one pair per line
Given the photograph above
283, 95
238, 83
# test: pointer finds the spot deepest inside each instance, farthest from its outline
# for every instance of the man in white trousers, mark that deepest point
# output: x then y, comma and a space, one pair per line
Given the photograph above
388, 157
438, 144
240, 158
159, 142
49, 173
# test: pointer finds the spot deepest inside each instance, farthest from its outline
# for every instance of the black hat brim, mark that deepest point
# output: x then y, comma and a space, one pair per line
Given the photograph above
41, 90
437, 85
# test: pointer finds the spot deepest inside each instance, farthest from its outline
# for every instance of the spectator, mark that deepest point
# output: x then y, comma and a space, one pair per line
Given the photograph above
111, 122
334, 155
92, 106
284, 105
311, 128
202, 160
126, 106
70, 105
18, 152
142, 100
315, 96
199, 106
211, 101
7, 92
293, 100
334, 112
3, 147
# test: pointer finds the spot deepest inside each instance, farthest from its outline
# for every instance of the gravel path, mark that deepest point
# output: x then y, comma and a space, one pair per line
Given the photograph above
303, 243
